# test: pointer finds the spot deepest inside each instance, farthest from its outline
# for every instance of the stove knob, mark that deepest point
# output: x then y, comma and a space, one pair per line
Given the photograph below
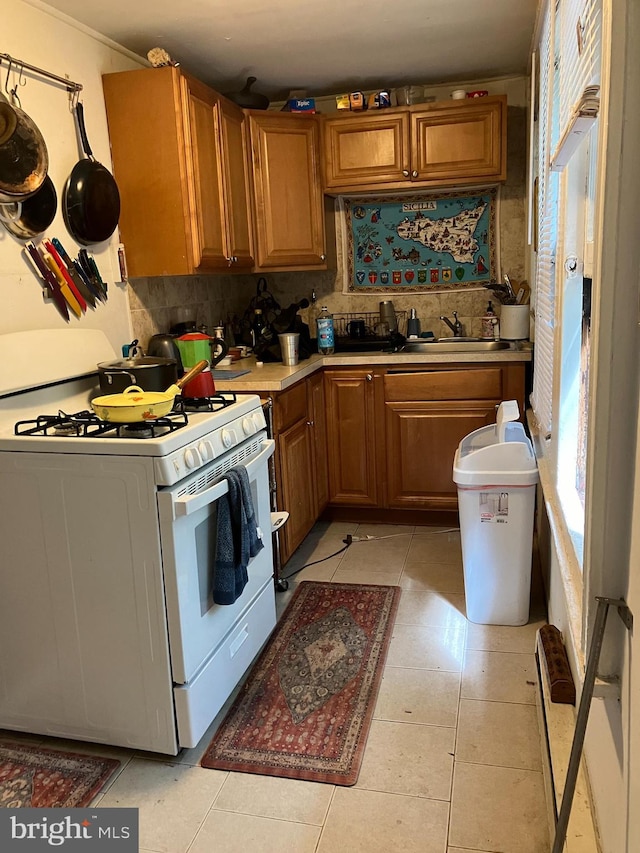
192, 458
205, 449
228, 437
248, 426
258, 420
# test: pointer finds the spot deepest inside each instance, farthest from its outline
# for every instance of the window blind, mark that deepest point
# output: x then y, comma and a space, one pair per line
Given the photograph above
569, 62
544, 306
579, 28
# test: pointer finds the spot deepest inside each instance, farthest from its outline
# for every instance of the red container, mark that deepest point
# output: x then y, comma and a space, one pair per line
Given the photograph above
201, 385
479, 93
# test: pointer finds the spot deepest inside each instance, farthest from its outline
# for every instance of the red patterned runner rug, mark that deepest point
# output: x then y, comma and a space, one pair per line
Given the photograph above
31, 777
306, 708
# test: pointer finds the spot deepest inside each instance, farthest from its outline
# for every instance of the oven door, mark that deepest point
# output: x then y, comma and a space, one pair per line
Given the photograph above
188, 530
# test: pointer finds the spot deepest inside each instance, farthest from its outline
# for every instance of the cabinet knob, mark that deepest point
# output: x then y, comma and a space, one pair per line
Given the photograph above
323, 257
369, 377
414, 174
405, 172
310, 423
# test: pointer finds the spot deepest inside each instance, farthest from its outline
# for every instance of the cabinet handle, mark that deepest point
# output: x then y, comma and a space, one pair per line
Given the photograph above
310, 423
369, 377
414, 174
405, 172
323, 257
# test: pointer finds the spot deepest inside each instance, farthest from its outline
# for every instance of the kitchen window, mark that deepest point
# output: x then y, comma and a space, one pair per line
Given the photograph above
566, 166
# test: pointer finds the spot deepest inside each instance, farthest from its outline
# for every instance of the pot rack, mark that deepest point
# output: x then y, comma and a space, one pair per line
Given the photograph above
21, 65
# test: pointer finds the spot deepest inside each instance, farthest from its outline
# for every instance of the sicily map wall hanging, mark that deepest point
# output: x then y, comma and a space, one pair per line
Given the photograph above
419, 243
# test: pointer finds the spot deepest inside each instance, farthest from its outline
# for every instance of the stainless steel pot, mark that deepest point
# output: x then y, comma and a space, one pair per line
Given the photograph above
24, 159
150, 374
30, 218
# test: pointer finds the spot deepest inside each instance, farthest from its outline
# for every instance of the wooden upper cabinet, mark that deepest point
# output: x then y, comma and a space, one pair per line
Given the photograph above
179, 158
289, 205
466, 142
365, 149
235, 177
439, 144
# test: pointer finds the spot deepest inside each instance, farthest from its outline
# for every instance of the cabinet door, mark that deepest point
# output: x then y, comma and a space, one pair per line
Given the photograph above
181, 171
288, 192
146, 132
204, 177
351, 437
422, 438
318, 425
460, 142
295, 453
235, 181
361, 150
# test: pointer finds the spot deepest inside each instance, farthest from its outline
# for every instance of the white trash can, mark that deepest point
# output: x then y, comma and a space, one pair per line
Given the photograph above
496, 473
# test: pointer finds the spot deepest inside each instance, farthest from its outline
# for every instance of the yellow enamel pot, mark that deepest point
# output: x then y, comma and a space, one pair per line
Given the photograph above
135, 405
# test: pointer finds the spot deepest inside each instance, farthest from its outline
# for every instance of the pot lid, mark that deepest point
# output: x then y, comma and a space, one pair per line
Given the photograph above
134, 363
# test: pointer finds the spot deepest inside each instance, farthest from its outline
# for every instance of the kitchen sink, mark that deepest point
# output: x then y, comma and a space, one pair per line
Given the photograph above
427, 345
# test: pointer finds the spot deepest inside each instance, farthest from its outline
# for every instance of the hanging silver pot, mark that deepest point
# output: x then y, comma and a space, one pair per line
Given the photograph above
30, 218
24, 160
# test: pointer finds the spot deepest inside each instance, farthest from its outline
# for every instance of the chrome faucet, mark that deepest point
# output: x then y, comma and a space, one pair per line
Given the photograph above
457, 328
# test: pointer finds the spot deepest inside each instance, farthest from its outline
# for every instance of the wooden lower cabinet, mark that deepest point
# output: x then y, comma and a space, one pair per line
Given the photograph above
295, 485
421, 441
379, 440
301, 459
351, 436
317, 408
392, 432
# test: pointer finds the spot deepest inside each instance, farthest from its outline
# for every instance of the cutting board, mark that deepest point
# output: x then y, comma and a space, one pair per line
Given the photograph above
223, 375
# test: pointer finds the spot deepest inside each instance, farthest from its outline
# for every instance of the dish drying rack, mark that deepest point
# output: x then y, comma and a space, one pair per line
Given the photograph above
371, 319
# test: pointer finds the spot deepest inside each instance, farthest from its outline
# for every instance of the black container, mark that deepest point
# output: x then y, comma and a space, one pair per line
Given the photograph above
151, 374
164, 346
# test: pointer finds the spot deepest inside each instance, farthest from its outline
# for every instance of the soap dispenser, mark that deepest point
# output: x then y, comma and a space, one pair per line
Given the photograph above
413, 324
490, 324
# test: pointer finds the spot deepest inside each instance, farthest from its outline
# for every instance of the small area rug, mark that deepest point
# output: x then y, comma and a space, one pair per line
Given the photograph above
306, 708
31, 777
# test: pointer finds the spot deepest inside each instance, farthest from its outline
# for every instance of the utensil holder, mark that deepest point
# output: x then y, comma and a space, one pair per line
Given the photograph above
514, 322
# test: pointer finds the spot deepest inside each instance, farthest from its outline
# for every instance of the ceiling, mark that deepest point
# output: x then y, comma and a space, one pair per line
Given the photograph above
324, 47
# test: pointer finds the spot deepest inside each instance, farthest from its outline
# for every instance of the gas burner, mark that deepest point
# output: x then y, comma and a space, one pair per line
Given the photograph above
66, 427
143, 430
208, 404
88, 425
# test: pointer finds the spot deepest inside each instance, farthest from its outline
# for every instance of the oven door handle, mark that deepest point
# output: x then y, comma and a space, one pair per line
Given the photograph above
192, 503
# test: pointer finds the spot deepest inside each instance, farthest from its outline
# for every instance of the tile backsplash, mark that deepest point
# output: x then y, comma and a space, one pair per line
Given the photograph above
153, 301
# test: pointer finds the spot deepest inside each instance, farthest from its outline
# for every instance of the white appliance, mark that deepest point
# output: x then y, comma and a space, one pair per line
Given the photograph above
108, 630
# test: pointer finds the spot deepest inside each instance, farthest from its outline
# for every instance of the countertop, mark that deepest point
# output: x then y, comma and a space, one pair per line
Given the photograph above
274, 376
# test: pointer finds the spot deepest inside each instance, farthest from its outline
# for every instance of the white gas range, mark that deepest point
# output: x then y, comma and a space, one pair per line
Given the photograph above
108, 629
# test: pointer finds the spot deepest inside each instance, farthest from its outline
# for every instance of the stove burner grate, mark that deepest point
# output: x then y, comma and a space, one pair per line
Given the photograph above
208, 404
88, 425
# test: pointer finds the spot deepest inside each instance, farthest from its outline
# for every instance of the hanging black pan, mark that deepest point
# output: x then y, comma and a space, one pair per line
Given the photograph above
91, 201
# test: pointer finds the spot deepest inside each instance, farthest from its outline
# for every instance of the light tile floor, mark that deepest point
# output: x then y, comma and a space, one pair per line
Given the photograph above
452, 762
